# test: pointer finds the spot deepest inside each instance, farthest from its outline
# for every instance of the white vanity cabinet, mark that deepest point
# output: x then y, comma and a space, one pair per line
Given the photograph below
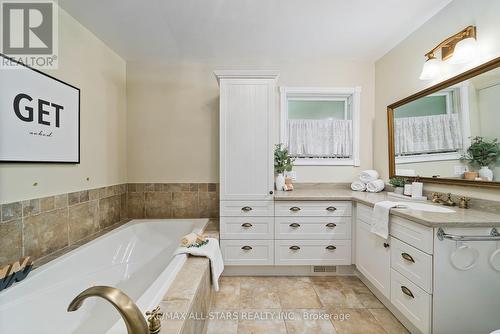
313, 233
373, 256
247, 108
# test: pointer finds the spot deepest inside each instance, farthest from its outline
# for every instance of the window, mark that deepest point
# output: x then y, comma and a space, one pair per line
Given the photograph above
320, 126
432, 128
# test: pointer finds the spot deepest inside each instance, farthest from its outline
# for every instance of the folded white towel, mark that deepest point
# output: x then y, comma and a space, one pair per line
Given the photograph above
375, 186
380, 218
358, 186
368, 176
212, 251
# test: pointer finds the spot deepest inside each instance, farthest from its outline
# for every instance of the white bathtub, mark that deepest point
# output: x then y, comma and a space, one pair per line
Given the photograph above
135, 258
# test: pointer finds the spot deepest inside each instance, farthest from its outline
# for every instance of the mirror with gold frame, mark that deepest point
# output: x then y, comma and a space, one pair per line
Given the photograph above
449, 133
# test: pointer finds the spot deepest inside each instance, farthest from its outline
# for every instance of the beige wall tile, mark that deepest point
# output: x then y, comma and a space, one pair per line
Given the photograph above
47, 204
208, 204
74, 198
11, 241
61, 201
31, 207
83, 220
158, 205
45, 233
12, 211
135, 204
84, 196
109, 211
93, 194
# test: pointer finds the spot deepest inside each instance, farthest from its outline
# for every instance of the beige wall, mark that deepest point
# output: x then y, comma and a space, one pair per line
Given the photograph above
173, 129
86, 62
396, 73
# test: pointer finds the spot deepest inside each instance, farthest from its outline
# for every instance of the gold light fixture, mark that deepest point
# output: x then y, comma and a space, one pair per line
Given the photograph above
459, 48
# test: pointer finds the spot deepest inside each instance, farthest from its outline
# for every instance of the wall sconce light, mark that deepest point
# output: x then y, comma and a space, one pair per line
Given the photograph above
459, 48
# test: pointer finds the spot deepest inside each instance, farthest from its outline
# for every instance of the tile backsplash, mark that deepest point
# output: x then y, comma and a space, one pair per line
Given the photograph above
43, 226
173, 200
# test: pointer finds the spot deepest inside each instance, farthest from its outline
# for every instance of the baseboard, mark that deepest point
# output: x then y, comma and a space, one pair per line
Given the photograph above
387, 303
284, 271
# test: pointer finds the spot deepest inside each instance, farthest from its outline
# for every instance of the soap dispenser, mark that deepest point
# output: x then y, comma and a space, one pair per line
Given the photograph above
417, 188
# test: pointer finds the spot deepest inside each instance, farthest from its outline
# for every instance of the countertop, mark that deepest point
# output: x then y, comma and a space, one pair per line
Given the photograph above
460, 218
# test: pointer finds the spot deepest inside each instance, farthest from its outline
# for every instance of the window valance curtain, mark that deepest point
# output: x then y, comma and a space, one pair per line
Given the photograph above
427, 134
320, 138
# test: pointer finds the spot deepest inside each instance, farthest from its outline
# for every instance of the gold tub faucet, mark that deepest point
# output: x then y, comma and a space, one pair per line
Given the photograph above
134, 320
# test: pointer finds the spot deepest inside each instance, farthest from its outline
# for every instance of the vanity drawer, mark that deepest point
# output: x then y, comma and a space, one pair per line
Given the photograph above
412, 263
247, 208
328, 228
247, 228
247, 252
415, 304
416, 235
313, 209
364, 213
312, 252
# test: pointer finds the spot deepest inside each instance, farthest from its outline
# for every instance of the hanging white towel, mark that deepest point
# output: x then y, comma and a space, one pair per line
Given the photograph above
211, 250
380, 218
368, 176
358, 186
375, 186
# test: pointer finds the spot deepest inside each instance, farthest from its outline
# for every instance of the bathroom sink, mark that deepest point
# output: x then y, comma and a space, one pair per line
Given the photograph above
424, 207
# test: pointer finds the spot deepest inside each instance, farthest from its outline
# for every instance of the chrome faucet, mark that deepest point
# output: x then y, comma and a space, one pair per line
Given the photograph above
134, 320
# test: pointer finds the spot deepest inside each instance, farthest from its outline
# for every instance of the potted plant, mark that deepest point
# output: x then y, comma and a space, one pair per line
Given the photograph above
483, 153
398, 183
282, 163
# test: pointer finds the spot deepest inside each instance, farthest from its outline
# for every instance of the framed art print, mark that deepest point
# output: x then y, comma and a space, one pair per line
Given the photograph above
39, 117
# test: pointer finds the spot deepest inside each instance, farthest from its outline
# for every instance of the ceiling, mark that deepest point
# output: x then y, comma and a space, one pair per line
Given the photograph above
251, 30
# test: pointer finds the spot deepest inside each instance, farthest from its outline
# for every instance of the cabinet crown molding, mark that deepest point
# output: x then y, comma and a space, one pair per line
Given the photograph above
246, 74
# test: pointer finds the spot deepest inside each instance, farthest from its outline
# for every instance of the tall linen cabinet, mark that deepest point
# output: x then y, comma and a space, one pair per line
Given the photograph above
247, 111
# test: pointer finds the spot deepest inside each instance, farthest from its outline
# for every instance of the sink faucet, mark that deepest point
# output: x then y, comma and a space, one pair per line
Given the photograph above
134, 320
436, 198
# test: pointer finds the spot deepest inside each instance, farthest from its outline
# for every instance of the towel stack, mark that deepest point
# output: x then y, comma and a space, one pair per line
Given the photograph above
369, 181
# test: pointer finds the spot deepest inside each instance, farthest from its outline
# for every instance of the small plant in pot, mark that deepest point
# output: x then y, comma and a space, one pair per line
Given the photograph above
483, 153
398, 183
282, 163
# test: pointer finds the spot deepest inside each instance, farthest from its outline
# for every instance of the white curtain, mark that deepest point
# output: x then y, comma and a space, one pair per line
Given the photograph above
427, 134
320, 138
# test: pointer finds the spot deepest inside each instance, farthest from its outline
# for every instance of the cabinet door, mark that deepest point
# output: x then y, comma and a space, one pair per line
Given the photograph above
373, 257
246, 145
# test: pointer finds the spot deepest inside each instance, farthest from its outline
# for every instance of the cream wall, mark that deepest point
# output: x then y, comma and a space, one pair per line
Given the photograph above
86, 62
396, 73
173, 130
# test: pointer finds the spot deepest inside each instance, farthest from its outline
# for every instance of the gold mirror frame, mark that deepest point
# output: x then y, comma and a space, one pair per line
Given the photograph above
445, 84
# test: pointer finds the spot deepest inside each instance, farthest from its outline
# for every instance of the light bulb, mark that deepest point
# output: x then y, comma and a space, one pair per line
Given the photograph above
430, 69
465, 51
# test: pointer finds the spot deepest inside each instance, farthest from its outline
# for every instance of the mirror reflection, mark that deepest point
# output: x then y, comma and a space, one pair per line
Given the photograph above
453, 133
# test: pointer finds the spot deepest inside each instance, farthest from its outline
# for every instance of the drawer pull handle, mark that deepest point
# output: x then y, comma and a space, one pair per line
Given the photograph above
407, 257
331, 209
247, 225
246, 248
295, 225
295, 248
331, 225
246, 209
331, 247
407, 291
295, 209
386, 245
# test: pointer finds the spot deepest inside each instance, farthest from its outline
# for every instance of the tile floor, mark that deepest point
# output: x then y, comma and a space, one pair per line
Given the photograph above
299, 305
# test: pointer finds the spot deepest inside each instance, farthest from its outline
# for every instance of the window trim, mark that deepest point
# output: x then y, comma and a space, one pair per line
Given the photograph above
324, 94
463, 112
